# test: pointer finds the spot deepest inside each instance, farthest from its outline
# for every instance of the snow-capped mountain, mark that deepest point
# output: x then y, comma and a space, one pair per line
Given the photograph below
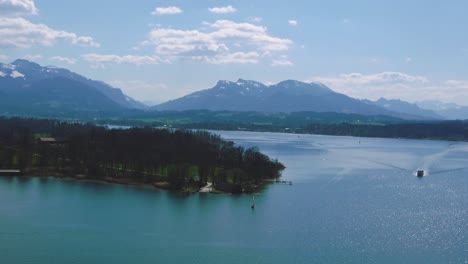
9, 70
19, 79
286, 96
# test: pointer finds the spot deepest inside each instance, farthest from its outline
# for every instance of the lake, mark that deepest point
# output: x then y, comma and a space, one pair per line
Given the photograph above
353, 200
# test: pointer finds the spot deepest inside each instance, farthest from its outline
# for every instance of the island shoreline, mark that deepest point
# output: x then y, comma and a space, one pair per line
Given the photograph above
162, 185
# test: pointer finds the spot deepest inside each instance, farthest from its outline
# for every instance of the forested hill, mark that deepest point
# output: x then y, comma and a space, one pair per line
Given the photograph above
182, 159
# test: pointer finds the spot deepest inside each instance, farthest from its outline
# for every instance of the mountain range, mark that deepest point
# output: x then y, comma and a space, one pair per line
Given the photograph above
29, 88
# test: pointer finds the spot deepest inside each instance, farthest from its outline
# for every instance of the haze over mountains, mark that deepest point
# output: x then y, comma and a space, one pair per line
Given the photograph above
403, 107
446, 110
28, 88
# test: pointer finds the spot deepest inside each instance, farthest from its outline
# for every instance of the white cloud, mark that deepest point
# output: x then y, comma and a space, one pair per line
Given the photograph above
101, 59
21, 33
219, 40
170, 10
4, 57
84, 41
63, 59
17, 7
32, 57
292, 22
282, 61
223, 9
397, 85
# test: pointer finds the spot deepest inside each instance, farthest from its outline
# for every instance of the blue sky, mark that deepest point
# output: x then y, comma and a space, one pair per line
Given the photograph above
160, 50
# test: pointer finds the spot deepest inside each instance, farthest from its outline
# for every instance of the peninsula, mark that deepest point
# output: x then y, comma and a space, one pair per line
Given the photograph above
173, 159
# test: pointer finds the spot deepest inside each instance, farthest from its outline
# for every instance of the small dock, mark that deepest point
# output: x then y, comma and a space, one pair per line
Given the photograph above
10, 172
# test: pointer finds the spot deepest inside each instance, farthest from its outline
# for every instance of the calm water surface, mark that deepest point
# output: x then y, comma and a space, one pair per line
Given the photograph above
354, 200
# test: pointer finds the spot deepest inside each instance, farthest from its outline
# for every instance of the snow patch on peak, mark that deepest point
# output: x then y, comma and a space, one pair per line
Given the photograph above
9, 66
127, 99
16, 74
224, 83
242, 82
2, 74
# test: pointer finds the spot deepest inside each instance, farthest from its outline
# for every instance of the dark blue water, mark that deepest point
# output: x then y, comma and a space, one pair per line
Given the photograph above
353, 201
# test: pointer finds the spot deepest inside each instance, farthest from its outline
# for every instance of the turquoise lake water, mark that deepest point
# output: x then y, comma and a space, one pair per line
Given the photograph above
353, 200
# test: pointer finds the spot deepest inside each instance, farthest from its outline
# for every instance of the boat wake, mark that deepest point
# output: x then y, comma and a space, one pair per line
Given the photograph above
428, 162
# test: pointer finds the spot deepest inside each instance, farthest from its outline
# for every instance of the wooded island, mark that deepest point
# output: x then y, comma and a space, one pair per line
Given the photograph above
173, 159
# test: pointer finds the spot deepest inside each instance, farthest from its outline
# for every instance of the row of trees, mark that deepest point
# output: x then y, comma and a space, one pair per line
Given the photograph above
184, 158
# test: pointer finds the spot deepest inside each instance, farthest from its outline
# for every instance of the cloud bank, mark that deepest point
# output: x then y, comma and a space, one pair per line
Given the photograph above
20, 33
17, 32
223, 41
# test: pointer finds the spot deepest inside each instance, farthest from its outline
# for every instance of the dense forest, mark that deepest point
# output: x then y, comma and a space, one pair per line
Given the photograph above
176, 159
